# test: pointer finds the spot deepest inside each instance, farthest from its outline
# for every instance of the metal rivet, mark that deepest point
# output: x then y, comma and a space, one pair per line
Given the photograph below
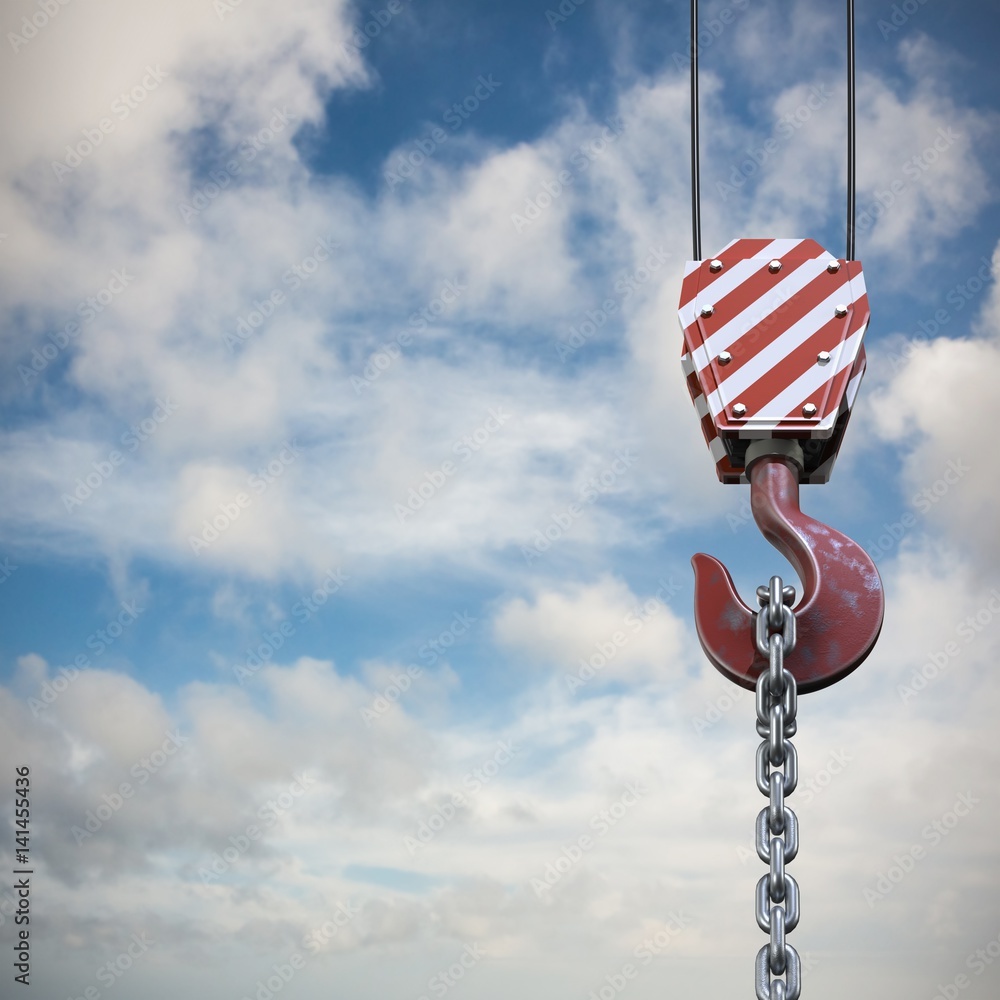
823, 358
725, 357
774, 267
809, 410
707, 310
833, 267
739, 410
841, 311
715, 267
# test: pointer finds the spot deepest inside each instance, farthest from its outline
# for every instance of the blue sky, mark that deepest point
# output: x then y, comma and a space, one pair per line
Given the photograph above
301, 303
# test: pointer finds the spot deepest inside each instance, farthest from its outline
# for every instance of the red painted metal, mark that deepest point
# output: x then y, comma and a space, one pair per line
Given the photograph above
756, 321
839, 615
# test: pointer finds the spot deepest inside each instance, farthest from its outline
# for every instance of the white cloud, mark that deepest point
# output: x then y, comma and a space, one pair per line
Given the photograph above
676, 843
939, 389
674, 727
161, 337
602, 631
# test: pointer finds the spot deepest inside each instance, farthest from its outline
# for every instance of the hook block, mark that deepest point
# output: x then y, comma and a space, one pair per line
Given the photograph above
773, 332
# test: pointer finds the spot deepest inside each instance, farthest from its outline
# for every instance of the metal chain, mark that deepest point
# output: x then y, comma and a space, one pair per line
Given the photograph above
777, 833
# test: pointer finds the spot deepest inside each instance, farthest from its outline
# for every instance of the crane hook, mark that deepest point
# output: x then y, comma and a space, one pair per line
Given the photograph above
839, 616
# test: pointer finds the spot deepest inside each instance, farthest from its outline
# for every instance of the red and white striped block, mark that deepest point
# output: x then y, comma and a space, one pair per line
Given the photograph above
773, 349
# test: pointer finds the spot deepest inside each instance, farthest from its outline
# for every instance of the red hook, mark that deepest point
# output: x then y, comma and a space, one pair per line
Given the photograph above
839, 617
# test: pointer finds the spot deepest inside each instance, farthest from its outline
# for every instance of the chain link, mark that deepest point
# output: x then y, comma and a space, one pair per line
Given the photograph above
777, 828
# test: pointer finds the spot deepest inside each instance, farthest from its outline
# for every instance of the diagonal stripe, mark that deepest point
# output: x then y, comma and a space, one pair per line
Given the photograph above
809, 383
773, 326
745, 249
830, 337
730, 278
773, 355
758, 397
738, 269
780, 305
840, 398
852, 388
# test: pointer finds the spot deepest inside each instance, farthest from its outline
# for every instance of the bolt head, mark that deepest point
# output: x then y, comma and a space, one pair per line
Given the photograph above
715, 266
823, 358
833, 267
774, 267
809, 410
725, 357
707, 311
739, 410
840, 311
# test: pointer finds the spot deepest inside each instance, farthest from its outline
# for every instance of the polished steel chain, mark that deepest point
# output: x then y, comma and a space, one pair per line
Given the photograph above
777, 832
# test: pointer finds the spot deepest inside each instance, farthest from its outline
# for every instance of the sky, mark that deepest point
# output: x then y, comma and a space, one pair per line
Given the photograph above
344, 427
